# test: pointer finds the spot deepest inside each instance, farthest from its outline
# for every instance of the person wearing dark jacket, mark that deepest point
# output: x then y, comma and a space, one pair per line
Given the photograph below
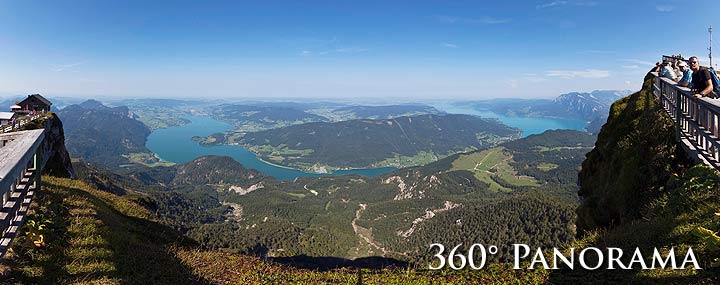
701, 79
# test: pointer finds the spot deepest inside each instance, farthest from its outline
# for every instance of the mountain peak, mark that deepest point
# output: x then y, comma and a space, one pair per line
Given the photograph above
93, 104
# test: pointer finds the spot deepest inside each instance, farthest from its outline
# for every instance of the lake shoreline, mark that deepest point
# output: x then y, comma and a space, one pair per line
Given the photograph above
175, 144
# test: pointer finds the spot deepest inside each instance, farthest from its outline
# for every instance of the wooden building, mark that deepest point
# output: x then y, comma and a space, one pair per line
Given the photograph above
34, 103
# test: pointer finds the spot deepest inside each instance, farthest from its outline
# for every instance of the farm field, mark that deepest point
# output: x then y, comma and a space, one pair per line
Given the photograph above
492, 165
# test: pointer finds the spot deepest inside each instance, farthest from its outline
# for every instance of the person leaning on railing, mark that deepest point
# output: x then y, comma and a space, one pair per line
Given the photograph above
686, 74
702, 85
667, 71
676, 68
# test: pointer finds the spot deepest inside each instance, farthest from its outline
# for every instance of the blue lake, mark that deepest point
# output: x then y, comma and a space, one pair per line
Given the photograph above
175, 144
528, 125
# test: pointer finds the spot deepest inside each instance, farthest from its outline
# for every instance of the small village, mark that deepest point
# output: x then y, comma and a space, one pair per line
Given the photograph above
33, 107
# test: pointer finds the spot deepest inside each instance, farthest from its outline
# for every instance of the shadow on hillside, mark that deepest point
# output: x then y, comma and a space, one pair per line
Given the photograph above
94, 242
325, 263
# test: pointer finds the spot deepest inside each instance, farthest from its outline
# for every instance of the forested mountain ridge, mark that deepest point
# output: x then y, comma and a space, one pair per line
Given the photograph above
259, 116
103, 135
400, 142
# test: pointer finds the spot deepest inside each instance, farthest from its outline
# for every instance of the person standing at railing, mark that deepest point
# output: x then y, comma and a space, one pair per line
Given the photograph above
701, 79
686, 77
702, 86
676, 69
667, 71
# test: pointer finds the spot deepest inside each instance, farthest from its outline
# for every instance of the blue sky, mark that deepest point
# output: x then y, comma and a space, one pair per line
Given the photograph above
342, 49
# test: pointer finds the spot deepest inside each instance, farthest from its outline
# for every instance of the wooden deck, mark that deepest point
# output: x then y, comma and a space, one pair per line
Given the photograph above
20, 160
696, 120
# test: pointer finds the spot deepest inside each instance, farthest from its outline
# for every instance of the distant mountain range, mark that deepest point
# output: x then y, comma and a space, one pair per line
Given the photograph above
270, 115
249, 117
591, 107
386, 112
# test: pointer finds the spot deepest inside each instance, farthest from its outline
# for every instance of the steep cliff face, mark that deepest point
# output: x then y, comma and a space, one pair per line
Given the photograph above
56, 160
634, 156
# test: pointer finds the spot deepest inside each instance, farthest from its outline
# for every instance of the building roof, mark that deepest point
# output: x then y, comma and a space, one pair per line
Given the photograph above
16, 106
6, 115
41, 98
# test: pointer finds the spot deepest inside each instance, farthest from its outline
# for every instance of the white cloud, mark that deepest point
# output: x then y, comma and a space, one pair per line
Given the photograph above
338, 50
559, 3
350, 50
63, 67
595, 51
634, 66
460, 20
551, 4
588, 73
535, 79
664, 8
638, 62
449, 45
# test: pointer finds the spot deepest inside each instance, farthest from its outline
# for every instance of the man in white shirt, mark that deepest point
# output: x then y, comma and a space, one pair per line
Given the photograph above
667, 71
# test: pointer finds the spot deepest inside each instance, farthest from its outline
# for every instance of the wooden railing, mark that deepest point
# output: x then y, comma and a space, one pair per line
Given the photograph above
20, 123
20, 168
696, 120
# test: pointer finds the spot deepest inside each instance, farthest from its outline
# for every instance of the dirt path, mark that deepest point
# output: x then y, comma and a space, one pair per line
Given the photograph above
364, 233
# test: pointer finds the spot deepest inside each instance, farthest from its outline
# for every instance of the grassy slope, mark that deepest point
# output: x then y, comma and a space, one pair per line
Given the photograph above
670, 220
94, 237
493, 163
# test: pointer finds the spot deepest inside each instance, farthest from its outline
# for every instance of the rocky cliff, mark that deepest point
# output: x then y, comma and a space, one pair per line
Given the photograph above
634, 156
56, 160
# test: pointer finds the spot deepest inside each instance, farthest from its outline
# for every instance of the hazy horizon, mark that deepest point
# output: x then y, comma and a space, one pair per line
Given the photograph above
368, 101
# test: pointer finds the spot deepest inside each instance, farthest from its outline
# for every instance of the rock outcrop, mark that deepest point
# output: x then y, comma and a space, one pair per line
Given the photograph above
634, 156
56, 160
